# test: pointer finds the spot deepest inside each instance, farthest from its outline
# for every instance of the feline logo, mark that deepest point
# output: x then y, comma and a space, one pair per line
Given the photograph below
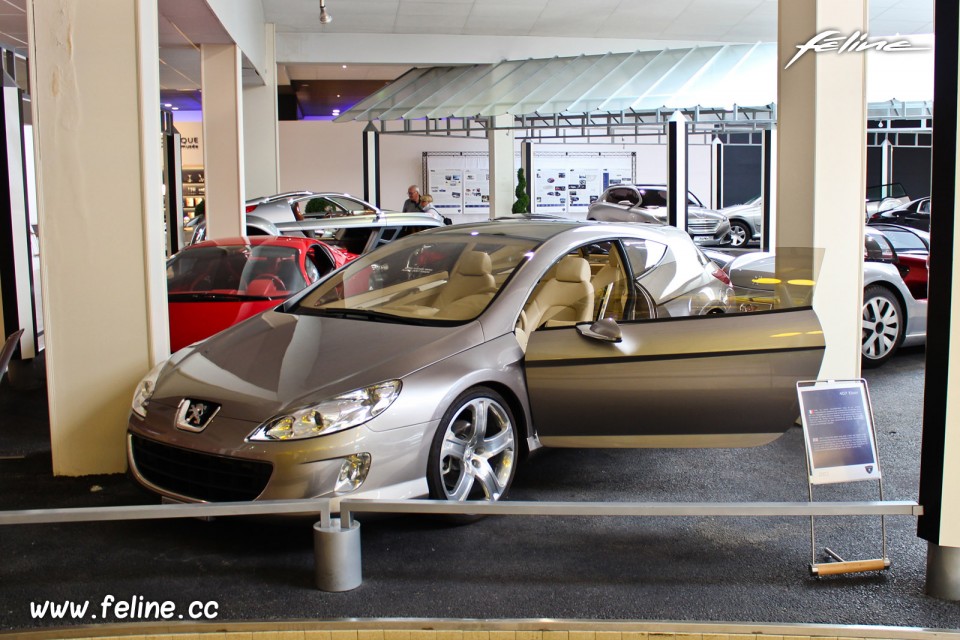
854, 43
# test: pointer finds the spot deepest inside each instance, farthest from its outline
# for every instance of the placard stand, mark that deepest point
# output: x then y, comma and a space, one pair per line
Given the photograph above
841, 446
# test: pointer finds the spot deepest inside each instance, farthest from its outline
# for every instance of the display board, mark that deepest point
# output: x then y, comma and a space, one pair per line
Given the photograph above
563, 182
458, 182
838, 431
569, 182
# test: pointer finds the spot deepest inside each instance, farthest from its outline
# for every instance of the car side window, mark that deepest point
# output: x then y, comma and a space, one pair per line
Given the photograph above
350, 205
878, 249
654, 197
587, 283
622, 194
644, 257
317, 264
321, 207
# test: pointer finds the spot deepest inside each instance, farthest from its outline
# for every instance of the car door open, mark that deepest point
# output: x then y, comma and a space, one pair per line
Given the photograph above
701, 381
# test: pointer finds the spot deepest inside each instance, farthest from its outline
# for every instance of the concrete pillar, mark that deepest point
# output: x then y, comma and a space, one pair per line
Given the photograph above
94, 73
371, 165
502, 171
261, 147
821, 167
223, 139
677, 170
768, 188
940, 451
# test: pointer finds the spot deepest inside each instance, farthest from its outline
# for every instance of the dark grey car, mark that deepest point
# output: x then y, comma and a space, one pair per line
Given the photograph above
430, 365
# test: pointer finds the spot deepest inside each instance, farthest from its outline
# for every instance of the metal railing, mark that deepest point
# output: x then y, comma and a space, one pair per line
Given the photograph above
337, 541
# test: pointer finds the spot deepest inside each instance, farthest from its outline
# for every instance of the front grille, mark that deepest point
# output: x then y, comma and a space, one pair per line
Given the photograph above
698, 226
200, 476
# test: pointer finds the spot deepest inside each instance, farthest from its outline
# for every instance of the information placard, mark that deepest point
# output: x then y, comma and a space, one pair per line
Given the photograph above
838, 431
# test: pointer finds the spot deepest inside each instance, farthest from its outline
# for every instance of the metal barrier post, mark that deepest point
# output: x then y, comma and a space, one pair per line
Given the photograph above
336, 551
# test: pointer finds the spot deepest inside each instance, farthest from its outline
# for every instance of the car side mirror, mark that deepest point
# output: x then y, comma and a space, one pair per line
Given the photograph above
604, 330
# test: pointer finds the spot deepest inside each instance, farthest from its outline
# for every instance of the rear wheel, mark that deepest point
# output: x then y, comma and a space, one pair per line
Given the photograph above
740, 233
474, 451
884, 326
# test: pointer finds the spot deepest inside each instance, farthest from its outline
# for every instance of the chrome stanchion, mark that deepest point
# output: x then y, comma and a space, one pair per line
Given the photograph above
337, 555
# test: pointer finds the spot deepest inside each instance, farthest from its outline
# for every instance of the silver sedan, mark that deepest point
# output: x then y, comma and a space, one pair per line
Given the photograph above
429, 366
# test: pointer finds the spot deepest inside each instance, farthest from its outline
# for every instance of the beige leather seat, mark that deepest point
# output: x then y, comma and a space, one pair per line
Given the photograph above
471, 276
566, 298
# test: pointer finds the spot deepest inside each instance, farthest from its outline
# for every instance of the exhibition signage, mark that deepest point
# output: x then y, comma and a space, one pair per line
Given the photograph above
838, 431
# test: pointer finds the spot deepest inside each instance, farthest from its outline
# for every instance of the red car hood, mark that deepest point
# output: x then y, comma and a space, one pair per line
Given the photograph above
193, 320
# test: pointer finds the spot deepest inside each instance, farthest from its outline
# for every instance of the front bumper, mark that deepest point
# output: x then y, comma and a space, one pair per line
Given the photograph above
199, 467
710, 236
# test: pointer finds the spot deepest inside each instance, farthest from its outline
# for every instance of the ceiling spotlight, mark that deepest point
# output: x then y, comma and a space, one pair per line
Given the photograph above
324, 16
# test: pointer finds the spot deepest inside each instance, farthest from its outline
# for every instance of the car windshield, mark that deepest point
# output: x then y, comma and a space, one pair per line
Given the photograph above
881, 191
434, 279
260, 271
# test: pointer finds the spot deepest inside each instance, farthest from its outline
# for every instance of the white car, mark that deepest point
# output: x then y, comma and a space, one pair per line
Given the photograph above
647, 203
892, 316
746, 221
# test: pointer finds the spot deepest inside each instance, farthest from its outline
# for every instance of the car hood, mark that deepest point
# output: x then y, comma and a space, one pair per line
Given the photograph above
279, 361
739, 209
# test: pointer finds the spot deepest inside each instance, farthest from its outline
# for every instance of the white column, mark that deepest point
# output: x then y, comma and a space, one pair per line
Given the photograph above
261, 150
886, 162
768, 188
716, 173
528, 164
223, 139
677, 170
502, 171
16, 272
821, 166
94, 71
371, 164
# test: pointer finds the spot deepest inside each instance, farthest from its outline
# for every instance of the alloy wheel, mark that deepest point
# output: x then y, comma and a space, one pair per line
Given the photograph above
739, 234
882, 326
476, 452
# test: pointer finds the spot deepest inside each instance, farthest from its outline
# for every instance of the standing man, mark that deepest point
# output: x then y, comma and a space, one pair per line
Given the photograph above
413, 199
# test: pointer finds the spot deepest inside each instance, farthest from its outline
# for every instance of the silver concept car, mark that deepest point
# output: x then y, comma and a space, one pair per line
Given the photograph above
432, 364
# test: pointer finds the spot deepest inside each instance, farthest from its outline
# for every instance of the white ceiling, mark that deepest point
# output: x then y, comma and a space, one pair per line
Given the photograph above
184, 24
710, 20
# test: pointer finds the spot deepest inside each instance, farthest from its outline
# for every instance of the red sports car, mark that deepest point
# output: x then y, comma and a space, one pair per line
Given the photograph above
215, 284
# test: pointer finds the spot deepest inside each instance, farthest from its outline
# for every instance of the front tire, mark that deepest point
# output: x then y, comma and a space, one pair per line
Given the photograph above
474, 451
740, 233
884, 326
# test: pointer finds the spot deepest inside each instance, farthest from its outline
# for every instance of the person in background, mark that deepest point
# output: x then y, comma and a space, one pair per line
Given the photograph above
413, 199
426, 205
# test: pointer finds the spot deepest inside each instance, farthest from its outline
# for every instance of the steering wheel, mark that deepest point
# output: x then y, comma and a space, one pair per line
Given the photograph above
202, 282
269, 277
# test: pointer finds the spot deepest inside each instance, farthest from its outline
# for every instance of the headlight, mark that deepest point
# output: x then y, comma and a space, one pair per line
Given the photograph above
336, 414
141, 397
